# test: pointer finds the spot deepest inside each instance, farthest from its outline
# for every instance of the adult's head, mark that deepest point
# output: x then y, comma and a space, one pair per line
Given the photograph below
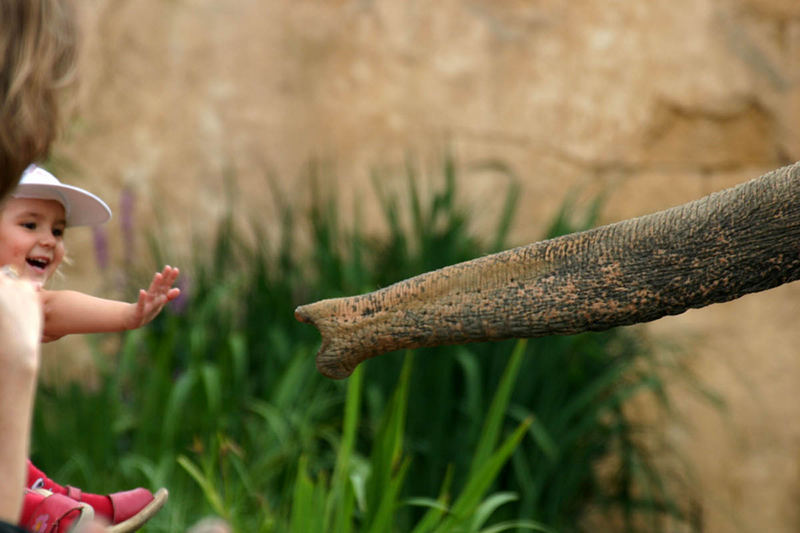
37, 58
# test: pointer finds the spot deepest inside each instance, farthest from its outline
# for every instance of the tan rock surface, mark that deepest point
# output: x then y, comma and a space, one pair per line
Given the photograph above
657, 102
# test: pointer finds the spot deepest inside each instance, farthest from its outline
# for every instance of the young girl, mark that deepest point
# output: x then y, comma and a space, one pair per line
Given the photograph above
32, 225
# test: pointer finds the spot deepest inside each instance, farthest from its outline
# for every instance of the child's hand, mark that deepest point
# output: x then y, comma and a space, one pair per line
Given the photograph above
153, 300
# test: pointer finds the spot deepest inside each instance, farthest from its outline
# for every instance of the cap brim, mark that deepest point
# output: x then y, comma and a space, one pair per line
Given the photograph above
85, 209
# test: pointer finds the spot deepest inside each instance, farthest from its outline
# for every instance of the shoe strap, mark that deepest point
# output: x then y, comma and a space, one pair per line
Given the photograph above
45, 511
74, 493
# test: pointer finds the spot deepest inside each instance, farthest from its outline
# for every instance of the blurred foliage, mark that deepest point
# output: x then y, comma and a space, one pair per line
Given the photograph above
219, 400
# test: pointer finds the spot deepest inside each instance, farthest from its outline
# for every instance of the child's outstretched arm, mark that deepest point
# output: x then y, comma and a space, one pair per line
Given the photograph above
69, 312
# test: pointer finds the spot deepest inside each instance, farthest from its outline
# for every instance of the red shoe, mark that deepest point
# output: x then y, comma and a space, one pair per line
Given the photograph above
45, 512
126, 511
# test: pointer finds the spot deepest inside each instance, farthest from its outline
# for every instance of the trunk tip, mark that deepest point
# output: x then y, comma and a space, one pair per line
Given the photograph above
330, 363
301, 314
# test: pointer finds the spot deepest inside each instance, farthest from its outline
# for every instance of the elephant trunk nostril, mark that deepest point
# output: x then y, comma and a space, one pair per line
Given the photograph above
301, 314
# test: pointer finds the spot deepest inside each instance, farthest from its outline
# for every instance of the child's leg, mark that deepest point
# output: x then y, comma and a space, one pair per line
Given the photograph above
133, 505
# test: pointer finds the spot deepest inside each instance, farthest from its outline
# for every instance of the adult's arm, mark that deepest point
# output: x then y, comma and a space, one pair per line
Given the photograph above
20, 330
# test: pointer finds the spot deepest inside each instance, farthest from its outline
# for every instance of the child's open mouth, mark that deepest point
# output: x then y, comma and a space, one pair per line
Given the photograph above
38, 263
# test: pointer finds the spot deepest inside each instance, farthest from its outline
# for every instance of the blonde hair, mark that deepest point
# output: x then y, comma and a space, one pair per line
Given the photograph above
38, 42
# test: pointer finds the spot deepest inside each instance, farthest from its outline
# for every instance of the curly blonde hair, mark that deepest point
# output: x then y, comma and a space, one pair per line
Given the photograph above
38, 42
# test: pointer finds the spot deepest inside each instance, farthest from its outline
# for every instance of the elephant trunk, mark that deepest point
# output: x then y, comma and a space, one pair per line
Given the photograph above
731, 243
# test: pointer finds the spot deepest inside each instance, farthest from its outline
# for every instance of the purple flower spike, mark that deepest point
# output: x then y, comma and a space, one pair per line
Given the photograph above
100, 247
179, 304
127, 204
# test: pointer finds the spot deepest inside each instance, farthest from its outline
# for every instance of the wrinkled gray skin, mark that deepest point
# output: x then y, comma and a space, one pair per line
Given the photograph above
731, 243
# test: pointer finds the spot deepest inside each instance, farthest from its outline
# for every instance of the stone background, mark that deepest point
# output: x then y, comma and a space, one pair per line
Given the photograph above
655, 102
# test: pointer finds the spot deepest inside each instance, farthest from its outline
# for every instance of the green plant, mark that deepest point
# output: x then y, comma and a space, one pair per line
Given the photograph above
365, 495
219, 399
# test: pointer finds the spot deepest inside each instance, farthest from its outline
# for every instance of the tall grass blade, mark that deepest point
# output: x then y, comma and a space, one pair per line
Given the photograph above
480, 480
388, 442
438, 507
340, 499
177, 402
384, 516
487, 507
210, 492
307, 502
497, 411
517, 525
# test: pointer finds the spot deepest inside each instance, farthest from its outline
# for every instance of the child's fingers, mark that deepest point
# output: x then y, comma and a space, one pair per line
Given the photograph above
163, 280
170, 274
159, 283
173, 293
161, 290
155, 281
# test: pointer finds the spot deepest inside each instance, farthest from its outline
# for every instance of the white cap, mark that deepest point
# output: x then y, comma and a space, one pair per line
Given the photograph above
81, 207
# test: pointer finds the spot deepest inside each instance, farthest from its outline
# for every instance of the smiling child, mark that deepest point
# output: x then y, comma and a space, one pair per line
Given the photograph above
32, 226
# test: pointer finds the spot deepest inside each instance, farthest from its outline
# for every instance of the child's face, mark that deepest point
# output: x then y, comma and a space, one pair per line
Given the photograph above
32, 237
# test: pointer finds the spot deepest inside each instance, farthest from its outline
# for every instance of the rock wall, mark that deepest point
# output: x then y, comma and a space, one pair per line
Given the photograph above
654, 102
